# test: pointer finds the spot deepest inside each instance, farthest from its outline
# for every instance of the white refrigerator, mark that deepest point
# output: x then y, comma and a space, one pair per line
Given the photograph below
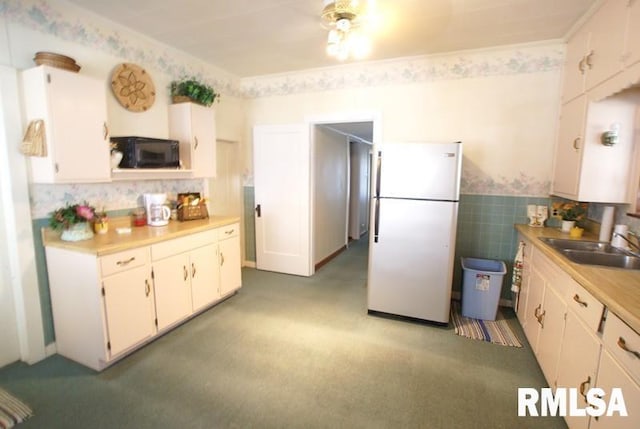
414, 217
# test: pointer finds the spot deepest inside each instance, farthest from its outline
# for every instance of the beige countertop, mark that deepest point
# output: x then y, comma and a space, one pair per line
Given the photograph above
112, 242
616, 288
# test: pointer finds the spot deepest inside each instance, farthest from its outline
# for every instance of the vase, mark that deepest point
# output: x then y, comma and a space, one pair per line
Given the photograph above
567, 225
77, 232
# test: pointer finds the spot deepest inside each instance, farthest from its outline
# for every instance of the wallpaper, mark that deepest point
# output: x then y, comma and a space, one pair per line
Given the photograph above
507, 61
113, 196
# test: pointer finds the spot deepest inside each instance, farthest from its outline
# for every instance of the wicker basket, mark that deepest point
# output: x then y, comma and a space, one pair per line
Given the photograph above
193, 212
56, 60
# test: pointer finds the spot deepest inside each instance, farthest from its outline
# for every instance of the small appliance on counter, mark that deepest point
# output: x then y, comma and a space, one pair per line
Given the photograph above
158, 213
145, 152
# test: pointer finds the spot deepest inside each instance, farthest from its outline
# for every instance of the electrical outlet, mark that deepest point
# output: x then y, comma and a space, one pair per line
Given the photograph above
555, 212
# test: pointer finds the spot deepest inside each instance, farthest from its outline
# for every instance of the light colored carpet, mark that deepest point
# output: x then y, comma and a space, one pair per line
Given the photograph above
493, 331
291, 352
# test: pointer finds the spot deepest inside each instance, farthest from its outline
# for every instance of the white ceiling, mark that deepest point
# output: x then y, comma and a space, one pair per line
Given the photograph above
256, 37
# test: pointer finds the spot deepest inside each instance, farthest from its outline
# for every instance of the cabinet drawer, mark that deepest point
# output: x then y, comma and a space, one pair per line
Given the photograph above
121, 261
584, 305
556, 277
183, 244
624, 343
228, 231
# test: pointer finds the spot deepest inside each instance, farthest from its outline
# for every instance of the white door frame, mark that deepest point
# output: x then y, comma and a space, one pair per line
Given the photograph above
335, 118
18, 223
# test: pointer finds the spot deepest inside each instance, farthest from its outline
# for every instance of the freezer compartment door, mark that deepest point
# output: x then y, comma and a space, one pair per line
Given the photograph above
419, 170
411, 264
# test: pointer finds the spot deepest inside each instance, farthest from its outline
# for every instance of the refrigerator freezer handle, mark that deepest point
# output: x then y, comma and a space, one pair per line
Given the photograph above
376, 225
378, 173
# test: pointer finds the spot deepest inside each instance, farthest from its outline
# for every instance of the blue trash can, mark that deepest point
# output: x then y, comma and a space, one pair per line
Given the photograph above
481, 287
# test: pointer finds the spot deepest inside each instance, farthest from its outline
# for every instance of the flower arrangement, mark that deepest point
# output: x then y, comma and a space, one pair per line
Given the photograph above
571, 210
69, 215
194, 90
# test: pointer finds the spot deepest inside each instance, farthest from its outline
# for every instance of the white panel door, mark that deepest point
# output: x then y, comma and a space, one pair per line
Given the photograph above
410, 266
281, 160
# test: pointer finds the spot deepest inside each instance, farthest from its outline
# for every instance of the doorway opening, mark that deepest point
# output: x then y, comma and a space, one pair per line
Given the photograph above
341, 186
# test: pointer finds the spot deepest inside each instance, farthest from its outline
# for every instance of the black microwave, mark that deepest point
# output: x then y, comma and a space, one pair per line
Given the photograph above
146, 152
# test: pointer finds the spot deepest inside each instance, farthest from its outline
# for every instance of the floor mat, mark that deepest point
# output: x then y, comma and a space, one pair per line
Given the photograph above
496, 332
12, 410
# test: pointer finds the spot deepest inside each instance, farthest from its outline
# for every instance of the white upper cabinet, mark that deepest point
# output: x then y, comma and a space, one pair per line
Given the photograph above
194, 126
606, 43
632, 44
585, 169
595, 51
574, 66
74, 110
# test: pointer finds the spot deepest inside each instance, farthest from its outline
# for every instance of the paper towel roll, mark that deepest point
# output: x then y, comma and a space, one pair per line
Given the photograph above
607, 224
616, 240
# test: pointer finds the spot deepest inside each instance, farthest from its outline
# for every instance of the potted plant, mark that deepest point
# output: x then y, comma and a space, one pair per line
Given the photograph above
571, 212
73, 220
190, 89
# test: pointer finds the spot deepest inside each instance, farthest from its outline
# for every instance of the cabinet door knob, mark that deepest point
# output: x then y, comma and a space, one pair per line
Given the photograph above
147, 287
196, 145
105, 129
193, 269
126, 261
583, 387
221, 258
582, 303
581, 68
623, 345
587, 60
575, 143
185, 272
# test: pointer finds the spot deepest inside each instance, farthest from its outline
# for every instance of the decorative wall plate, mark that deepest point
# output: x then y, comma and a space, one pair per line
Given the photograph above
133, 87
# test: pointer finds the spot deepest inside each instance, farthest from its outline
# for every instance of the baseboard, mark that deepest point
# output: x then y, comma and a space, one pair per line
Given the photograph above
502, 303
249, 264
50, 349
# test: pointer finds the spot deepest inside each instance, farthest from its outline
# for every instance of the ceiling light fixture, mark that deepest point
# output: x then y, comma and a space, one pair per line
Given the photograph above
346, 21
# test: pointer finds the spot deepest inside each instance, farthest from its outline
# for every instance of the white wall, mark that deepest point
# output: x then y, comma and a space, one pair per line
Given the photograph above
503, 104
331, 192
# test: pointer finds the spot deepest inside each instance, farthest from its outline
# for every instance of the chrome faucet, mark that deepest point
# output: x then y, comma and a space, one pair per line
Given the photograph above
636, 246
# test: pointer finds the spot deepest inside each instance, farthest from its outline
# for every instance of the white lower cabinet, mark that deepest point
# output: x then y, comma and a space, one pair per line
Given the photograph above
129, 310
578, 344
172, 290
578, 364
230, 263
611, 375
104, 307
545, 310
205, 276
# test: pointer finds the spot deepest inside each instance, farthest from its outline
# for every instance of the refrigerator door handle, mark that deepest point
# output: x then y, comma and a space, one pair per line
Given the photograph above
376, 225
378, 173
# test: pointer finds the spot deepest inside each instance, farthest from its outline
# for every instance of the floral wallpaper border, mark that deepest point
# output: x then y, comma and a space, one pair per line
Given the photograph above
523, 185
495, 62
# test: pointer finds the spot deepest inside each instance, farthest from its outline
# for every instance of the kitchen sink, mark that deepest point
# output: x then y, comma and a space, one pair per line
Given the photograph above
593, 253
587, 246
616, 260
